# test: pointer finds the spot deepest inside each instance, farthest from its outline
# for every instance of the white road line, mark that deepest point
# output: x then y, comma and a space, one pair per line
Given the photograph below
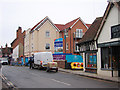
61, 82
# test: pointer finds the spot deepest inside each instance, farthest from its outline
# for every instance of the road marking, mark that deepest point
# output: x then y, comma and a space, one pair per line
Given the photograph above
61, 82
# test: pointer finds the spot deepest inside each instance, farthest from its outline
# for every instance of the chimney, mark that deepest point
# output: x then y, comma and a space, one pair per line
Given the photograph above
6, 45
19, 31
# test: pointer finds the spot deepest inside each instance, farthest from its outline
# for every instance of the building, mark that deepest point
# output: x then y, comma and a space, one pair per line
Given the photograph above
88, 47
6, 52
18, 44
41, 37
71, 33
108, 40
27, 43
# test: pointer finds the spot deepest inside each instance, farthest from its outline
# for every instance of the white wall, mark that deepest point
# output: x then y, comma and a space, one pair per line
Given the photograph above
112, 19
15, 54
105, 36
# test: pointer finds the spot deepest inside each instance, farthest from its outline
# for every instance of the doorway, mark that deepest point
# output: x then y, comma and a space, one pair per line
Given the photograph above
116, 58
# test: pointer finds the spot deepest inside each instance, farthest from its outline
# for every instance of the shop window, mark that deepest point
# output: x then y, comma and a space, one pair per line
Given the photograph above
105, 58
91, 60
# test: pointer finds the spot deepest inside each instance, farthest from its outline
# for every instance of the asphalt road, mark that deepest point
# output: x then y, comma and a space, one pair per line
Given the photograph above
23, 77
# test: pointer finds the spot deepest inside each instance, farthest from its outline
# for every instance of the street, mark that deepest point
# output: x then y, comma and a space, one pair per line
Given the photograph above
23, 77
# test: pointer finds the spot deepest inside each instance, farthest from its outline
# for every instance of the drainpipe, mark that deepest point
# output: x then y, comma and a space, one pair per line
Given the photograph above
111, 61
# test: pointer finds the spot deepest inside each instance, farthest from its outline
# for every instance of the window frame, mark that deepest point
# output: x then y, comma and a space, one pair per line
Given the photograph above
89, 52
47, 34
47, 45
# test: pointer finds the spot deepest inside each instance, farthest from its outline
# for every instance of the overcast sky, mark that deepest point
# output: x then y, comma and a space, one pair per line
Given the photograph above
27, 13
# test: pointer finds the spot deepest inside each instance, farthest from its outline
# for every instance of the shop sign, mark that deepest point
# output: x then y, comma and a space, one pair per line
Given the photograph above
58, 57
115, 31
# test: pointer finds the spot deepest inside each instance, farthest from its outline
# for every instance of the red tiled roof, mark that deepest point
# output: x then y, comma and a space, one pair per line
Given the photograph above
60, 26
88, 25
92, 31
37, 24
67, 25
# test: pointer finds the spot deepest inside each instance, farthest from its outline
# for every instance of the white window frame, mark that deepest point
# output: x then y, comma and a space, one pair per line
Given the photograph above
76, 47
79, 33
67, 46
47, 44
47, 33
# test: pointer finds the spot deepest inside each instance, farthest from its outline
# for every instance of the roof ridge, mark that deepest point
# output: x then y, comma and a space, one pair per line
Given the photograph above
73, 20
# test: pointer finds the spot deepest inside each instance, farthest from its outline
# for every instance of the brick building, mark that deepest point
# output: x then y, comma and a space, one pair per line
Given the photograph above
18, 44
74, 31
5, 52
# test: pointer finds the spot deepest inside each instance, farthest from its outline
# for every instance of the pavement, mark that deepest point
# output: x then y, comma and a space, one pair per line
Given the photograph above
91, 75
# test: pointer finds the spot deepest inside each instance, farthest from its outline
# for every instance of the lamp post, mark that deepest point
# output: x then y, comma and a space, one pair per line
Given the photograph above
65, 45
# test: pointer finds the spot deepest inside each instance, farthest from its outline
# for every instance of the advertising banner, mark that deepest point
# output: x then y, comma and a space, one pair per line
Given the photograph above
58, 45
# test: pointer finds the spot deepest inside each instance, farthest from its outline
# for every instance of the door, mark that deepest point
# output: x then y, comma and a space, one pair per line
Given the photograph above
116, 58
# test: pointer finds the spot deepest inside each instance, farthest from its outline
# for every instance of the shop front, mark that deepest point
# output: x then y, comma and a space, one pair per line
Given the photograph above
110, 57
91, 61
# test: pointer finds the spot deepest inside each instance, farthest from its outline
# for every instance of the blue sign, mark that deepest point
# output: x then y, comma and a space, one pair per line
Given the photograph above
58, 45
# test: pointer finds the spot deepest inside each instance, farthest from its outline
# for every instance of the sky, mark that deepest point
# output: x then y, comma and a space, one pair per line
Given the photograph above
27, 13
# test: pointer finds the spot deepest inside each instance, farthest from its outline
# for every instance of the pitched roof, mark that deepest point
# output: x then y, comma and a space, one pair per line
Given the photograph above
92, 31
37, 24
70, 24
110, 5
88, 25
60, 26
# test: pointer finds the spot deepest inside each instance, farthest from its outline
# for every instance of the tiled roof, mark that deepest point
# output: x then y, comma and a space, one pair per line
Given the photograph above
60, 26
92, 31
88, 25
67, 25
37, 24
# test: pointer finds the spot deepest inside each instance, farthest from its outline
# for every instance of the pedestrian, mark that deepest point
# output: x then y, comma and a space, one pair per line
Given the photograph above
30, 62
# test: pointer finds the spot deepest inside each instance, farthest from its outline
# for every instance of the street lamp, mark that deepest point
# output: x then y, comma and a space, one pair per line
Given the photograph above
65, 40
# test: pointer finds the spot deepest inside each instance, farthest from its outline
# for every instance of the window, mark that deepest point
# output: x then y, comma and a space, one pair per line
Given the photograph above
79, 33
76, 47
91, 60
67, 34
47, 47
47, 34
105, 58
32, 46
66, 46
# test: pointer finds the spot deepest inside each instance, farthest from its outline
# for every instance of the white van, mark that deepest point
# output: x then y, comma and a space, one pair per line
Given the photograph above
41, 59
4, 61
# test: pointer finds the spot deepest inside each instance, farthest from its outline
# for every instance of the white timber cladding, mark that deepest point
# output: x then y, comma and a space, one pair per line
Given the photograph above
92, 46
15, 54
112, 19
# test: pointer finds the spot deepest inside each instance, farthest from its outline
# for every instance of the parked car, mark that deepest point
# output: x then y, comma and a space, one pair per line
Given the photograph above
4, 61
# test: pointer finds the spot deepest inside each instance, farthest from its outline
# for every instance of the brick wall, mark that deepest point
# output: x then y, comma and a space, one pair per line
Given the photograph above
70, 40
